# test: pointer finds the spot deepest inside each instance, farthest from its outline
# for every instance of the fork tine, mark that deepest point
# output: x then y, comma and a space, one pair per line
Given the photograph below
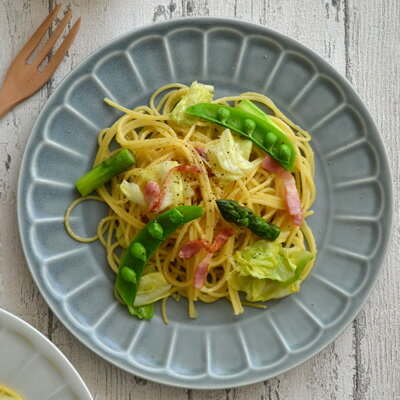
35, 39
62, 50
52, 39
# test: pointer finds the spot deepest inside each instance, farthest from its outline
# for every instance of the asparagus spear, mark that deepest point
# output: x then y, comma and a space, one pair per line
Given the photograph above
110, 167
232, 211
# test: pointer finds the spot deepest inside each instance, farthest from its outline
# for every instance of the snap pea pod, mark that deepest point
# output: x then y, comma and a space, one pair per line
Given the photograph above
261, 131
143, 246
242, 216
251, 108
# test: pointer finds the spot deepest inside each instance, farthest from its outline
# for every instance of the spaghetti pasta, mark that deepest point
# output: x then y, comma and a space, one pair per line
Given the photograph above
7, 393
154, 138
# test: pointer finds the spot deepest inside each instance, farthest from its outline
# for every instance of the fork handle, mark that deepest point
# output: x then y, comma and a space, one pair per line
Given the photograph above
7, 100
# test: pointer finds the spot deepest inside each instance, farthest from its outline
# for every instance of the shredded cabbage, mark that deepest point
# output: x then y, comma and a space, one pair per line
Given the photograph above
229, 156
133, 192
152, 287
265, 270
197, 93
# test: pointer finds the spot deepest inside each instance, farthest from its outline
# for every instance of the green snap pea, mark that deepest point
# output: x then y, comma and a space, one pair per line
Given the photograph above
223, 114
270, 139
284, 152
139, 251
128, 275
144, 244
176, 216
262, 131
156, 231
249, 126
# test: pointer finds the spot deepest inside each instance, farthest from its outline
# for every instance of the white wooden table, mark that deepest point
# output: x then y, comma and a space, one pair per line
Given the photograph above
361, 38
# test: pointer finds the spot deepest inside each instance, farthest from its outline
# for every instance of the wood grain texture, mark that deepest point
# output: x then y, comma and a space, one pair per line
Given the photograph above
361, 39
373, 52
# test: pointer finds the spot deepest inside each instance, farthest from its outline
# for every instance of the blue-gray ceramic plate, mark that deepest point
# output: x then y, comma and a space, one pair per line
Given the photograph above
352, 220
33, 367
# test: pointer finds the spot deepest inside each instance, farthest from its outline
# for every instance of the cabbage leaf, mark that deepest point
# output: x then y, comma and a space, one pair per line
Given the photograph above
197, 93
266, 270
133, 192
228, 157
152, 287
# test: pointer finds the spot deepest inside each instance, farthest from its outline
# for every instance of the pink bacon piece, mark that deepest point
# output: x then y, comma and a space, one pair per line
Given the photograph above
221, 238
189, 249
201, 271
152, 196
291, 194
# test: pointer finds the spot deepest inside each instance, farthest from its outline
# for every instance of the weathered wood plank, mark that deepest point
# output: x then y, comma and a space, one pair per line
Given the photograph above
18, 294
372, 59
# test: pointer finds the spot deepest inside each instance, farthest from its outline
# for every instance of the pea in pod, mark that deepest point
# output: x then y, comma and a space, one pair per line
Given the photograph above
144, 245
262, 131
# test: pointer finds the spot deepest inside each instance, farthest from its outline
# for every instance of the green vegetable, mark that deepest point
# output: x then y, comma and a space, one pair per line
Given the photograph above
128, 275
197, 93
143, 246
251, 126
266, 270
271, 138
229, 156
156, 231
152, 287
133, 192
109, 168
142, 312
251, 108
176, 216
232, 211
138, 251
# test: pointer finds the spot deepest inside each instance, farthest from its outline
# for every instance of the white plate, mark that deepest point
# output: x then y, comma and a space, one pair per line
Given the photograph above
33, 367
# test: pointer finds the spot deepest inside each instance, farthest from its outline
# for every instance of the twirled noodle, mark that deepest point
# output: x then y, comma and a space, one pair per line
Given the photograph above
154, 138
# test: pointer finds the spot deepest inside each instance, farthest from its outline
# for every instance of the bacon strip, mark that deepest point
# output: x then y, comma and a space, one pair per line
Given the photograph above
200, 273
270, 165
291, 193
297, 219
153, 196
189, 249
221, 238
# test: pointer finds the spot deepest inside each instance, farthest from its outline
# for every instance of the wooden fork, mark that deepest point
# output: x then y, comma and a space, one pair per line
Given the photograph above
22, 79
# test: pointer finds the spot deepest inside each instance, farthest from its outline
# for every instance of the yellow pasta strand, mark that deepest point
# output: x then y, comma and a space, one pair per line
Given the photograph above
10, 394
